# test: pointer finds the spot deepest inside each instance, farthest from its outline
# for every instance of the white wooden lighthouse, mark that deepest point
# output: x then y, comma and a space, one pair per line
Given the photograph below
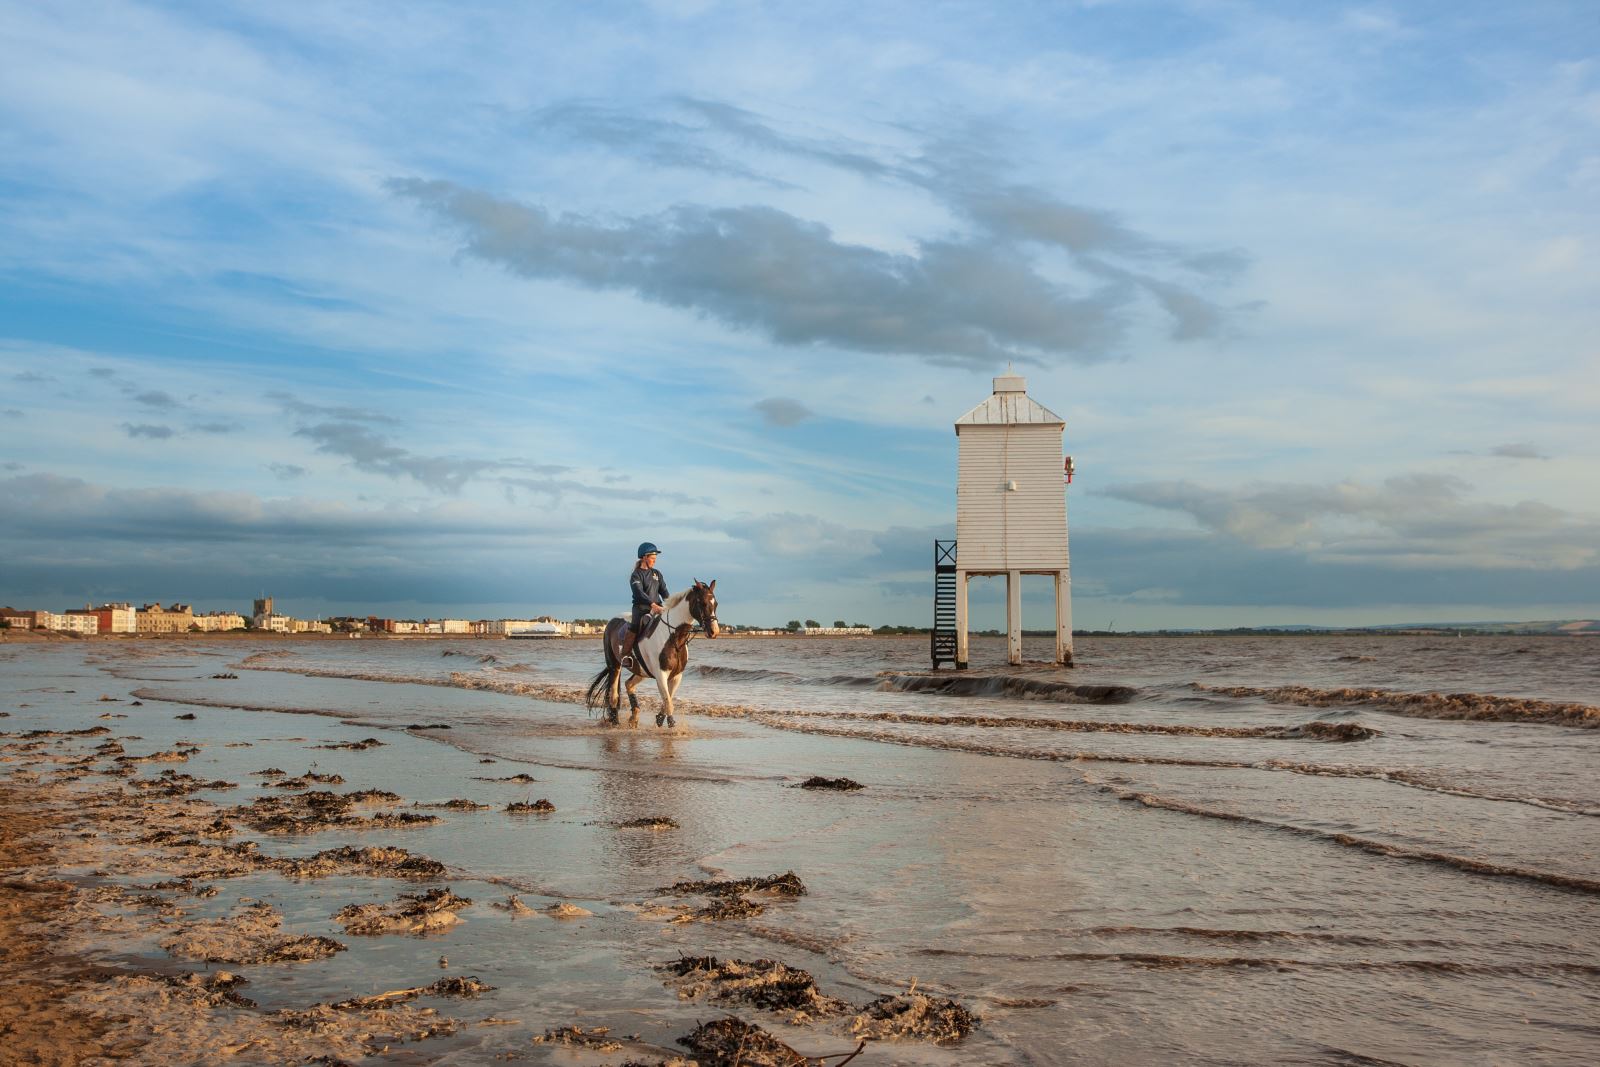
1011, 508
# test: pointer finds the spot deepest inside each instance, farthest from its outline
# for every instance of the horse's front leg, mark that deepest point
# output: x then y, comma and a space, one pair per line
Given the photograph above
666, 685
633, 700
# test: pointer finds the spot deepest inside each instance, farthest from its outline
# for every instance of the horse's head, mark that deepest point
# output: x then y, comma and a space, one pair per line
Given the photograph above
703, 606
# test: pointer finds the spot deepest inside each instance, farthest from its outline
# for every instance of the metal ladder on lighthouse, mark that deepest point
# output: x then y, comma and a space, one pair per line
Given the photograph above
943, 641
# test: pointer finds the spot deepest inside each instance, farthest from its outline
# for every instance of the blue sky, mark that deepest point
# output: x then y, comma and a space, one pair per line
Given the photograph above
440, 309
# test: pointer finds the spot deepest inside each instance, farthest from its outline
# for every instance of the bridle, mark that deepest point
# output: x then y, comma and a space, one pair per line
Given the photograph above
703, 606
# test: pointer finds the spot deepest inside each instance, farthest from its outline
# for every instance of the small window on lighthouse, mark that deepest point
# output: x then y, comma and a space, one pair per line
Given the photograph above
1011, 487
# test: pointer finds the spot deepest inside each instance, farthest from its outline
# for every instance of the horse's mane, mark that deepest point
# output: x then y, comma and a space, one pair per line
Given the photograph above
675, 599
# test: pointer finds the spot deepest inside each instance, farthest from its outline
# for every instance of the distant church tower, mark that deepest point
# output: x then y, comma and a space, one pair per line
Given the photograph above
1011, 509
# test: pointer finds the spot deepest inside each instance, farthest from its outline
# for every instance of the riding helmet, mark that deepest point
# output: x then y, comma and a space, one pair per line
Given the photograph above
646, 548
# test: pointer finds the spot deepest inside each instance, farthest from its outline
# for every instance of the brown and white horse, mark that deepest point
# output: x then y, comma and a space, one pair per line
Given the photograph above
662, 654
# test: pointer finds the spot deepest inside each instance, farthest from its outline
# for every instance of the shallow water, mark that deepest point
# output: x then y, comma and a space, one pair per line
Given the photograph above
1113, 867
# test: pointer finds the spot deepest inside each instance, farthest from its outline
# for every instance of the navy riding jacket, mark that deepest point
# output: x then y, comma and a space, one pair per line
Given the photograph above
648, 588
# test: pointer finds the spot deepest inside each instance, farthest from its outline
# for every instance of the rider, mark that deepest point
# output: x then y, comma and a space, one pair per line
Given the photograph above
649, 592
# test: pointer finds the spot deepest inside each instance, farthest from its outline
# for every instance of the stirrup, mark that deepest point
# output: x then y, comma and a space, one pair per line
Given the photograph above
627, 663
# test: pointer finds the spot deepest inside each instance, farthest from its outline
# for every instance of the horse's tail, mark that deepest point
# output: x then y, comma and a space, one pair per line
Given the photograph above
601, 685
602, 681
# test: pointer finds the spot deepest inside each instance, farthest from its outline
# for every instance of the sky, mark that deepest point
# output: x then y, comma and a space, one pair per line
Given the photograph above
440, 309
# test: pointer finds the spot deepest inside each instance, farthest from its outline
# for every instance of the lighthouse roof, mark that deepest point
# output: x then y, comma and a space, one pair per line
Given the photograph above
1010, 405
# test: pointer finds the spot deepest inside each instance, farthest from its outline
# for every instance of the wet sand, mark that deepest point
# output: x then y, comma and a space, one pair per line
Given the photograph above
215, 855
156, 913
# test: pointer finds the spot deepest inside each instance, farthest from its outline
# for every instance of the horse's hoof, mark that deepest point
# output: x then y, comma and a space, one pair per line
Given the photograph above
671, 722
661, 717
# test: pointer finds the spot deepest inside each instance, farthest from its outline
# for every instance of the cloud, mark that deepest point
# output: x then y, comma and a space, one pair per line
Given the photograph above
966, 303
295, 406
145, 429
52, 506
782, 411
12, 413
67, 539
287, 471
1197, 569
1416, 521
1009, 219
369, 452
31, 377
102, 372
156, 398
216, 427
1517, 451
659, 142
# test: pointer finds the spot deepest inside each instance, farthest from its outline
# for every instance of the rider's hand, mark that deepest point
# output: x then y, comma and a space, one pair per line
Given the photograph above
655, 609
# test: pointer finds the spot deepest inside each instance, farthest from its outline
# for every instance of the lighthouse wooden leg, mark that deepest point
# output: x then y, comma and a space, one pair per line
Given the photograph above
961, 620
1063, 619
1014, 617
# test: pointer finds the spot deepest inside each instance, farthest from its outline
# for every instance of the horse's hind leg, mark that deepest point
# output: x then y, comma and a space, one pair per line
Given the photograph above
613, 698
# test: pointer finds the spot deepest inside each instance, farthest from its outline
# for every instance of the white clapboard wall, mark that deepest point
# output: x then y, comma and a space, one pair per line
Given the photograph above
1011, 511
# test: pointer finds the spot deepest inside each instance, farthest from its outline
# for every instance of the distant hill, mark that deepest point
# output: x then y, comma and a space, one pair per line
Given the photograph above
1552, 628
1560, 626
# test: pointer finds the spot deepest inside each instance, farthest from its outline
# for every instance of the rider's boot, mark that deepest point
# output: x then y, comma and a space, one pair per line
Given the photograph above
629, 639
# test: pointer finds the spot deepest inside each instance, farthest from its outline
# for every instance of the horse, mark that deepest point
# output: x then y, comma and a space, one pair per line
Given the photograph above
661, 654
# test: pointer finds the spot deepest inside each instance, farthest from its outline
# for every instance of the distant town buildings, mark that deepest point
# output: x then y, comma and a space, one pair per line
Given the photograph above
154, 619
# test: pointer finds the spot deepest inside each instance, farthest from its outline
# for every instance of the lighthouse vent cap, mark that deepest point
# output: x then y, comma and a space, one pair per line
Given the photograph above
1010, 383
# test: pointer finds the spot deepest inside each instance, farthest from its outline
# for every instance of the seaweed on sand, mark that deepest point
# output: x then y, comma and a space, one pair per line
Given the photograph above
354, 746
1331, 731
787, 884
323, 810
766, 984
735, 907
649, 822
541, 806
593, 1039
411, 913
252, 936
842, 784
514, 905
206, 990
936, 1019
176, 755
730, 1042
306, 780
469, 986
382, 860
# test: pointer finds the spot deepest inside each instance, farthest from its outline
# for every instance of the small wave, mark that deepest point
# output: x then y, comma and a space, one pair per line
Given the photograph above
1207, 933
236, 705
743, 674
1470, 706
845, 681
1380, 848
1164, 960
1007, 686
515, 668
1316, 731
810, 723
264, 657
